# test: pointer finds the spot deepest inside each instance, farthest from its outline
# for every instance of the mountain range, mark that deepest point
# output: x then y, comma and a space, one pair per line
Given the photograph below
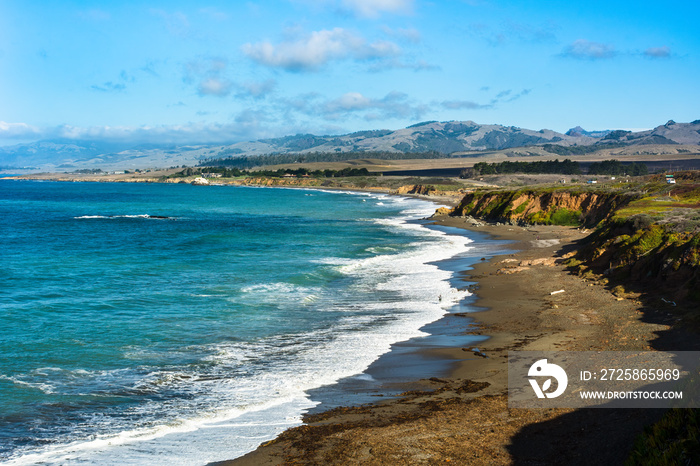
452, 137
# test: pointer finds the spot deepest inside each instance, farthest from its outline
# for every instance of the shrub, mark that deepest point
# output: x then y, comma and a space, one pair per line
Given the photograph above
673, 440
565, 217
641, 221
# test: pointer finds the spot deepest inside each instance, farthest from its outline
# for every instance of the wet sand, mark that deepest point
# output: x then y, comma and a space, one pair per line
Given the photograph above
463, 417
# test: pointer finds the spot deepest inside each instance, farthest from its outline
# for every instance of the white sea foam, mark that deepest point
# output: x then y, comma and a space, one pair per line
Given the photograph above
271, 288
155, 217
238, 412
44, 387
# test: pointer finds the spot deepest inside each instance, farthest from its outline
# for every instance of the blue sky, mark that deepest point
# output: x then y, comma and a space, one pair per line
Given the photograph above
216, 71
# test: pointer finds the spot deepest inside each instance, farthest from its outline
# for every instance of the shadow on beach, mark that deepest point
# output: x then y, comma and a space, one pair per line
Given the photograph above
599, 435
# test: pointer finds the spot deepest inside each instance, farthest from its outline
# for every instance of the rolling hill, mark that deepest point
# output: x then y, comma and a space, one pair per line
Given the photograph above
442, 139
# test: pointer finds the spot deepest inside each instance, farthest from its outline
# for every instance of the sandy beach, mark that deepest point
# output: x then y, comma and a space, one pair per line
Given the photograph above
462, 417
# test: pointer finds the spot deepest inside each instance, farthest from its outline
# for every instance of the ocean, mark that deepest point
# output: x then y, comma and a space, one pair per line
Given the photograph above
169, 323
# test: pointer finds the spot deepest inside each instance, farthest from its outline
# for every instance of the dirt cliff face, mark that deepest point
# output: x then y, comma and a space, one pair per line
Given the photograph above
416, 189
649, 257
543, 207
263, 181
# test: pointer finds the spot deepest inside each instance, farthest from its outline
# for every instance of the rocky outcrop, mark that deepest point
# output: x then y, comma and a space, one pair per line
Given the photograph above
264, 181
200, 181
417, 189
442, 212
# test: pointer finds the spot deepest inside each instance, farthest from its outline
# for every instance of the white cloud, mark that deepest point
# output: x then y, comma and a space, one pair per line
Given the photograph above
522, 93
17, 130
252, 119
396, 64
185, 133
584, 49
109, 87
393, 105
209, 75
257, 89
464, 105
349, 102
314, 50
215, 86
503, 96
306, 104
658, 52
375, 8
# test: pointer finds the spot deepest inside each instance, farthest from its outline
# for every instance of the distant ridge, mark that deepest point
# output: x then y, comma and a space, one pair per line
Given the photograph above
454, 137
450, 137
578, 132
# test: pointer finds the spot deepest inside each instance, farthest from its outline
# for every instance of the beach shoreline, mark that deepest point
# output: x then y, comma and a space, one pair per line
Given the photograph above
463, 416
468, 385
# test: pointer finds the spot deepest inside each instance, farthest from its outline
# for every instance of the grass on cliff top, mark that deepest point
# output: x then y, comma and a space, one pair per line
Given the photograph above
654, 196
573, 189
649, 199
662, 203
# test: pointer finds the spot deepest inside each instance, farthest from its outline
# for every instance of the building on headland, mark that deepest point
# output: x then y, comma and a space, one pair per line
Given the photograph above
200, 181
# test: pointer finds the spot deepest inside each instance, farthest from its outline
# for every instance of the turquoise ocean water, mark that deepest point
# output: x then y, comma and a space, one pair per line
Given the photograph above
154, 323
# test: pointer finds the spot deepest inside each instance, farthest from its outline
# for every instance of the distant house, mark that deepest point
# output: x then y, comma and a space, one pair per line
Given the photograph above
211, 175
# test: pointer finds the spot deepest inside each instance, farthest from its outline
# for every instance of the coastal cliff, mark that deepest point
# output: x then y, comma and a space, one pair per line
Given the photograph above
544, 206
658, 259
645, 238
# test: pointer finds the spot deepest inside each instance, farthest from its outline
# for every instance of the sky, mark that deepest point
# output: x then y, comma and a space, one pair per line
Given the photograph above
226, 71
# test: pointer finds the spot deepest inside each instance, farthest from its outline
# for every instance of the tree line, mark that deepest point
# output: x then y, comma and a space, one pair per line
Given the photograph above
566, 167
615, 167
